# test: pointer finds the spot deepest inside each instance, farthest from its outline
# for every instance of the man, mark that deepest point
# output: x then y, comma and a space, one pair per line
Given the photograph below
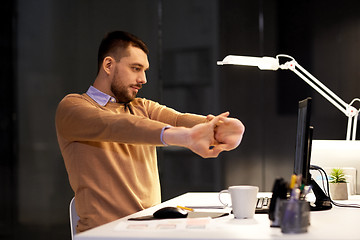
108, 137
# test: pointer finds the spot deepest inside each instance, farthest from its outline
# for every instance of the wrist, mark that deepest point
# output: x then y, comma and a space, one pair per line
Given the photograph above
176, 136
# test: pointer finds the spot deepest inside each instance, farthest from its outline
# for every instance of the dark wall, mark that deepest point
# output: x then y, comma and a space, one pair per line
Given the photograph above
8, 120
50, 50
250, 28
190, 84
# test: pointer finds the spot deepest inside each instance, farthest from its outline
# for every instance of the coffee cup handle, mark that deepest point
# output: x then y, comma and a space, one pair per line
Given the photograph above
220, 193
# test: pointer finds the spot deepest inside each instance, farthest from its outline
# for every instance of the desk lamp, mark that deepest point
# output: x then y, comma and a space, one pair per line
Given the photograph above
327, 153
270, 63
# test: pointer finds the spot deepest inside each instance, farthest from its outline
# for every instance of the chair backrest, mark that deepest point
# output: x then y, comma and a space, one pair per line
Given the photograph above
73, 217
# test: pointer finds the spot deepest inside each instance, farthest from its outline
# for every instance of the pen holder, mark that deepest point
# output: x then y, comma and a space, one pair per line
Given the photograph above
295, 216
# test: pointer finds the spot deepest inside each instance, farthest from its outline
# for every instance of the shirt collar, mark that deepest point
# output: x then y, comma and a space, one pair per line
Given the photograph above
101, 98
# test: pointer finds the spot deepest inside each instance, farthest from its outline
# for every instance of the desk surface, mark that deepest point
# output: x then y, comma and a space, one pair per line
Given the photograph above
337, 223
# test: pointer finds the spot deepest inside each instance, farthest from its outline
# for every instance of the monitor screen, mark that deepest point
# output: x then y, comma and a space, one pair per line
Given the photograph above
303, 141
303, 153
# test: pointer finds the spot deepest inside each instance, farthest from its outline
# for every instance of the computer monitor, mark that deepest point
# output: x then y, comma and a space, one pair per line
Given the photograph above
302, 167
303, 141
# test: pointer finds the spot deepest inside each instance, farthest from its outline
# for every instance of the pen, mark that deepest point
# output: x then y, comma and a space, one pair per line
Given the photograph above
295, 194
307, 190
293, 181
186, 208
298, 180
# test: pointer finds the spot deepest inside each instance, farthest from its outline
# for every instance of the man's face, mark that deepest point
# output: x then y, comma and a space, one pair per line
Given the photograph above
129, 74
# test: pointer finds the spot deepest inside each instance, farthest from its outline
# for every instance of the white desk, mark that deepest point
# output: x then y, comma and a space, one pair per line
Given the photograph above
337, 223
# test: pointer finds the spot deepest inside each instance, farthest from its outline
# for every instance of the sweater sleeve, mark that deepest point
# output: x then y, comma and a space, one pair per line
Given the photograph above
172, 117
77, 119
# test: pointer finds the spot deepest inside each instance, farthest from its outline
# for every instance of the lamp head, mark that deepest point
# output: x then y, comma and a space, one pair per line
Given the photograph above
263, 63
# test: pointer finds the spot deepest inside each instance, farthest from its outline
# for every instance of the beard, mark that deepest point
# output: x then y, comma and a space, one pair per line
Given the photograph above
122, 93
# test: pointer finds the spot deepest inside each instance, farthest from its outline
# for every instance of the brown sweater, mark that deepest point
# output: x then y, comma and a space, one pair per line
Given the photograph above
110, 154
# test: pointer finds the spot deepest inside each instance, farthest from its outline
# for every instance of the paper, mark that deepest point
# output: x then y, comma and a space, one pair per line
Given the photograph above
164, 225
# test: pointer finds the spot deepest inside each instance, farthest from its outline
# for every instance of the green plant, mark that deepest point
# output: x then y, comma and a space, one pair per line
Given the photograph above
337, 175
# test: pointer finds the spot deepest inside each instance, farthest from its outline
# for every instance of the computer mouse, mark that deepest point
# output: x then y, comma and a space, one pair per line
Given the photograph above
170, 212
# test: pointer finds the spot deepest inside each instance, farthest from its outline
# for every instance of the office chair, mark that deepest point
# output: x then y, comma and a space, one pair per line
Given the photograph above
73, 217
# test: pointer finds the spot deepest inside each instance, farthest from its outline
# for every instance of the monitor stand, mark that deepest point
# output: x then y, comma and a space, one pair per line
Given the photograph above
322, 202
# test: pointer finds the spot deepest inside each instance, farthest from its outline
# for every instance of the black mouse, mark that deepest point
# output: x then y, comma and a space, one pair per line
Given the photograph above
170, 212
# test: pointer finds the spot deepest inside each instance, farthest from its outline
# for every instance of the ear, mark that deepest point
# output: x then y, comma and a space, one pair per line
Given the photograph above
108, 65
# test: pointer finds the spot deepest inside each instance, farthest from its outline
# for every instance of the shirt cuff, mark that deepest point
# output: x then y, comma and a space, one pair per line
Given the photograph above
162, 135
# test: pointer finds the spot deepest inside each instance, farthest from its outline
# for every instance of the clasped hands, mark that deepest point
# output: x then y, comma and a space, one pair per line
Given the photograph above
226, 135
209, 139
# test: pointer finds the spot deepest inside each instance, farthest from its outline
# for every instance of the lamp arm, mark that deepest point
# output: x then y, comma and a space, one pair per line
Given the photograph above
349, 111
320, 88
355, 119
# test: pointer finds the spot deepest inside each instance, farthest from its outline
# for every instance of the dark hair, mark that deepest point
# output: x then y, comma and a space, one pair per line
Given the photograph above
118, 40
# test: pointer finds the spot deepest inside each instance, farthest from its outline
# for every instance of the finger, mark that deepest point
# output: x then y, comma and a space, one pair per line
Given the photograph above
210, 117
213, 143
223, 117
225, 114
217, 119
224, 147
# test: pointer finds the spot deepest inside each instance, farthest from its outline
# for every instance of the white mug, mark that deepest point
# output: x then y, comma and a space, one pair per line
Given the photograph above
243, 199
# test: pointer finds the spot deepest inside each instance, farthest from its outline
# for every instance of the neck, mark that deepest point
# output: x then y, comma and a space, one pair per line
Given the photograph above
101, 83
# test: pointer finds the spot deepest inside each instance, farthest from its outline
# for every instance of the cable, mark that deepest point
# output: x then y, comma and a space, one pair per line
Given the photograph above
327, 192
354, 100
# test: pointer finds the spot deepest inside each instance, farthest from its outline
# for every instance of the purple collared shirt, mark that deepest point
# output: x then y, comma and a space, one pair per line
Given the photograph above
101, 98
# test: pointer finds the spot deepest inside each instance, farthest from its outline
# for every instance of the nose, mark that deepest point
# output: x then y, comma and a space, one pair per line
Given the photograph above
142, 78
